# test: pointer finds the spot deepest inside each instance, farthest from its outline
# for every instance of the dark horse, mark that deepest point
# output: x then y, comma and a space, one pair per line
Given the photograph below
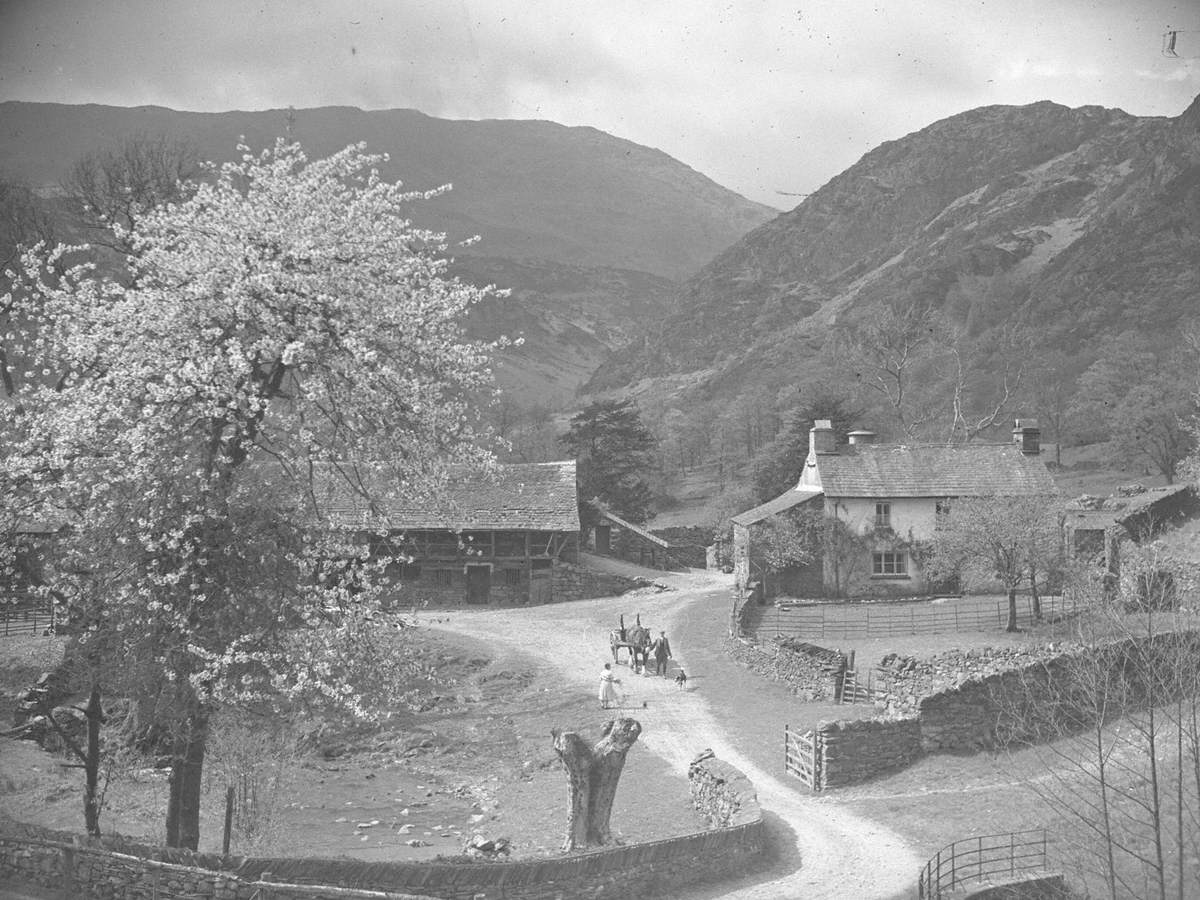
636, 639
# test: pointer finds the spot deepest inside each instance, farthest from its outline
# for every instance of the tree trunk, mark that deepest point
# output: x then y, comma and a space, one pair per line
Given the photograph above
1012, 609
1034, 595
187, 766
593, 774
91, 765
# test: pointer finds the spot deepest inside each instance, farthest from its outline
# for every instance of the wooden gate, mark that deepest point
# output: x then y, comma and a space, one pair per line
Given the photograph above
853, 690
801, 757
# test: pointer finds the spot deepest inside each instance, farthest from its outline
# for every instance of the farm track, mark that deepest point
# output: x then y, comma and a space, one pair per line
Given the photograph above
823, 851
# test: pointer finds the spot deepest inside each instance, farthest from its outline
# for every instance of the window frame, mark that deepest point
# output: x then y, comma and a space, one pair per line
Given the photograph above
883, 513
884, 560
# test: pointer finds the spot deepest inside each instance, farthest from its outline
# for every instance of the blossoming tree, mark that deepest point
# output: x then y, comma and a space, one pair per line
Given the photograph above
283, 339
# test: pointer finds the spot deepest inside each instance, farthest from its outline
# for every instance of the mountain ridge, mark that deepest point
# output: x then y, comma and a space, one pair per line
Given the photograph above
512, 178
976, 195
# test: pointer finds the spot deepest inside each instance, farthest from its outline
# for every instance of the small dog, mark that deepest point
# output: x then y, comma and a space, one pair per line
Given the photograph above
681, 679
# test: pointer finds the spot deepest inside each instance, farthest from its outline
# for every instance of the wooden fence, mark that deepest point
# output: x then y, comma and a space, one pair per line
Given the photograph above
25, 619
847, 621
974, 859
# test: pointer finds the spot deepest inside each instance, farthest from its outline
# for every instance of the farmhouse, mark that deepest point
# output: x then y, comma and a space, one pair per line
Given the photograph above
504, 537
881, 502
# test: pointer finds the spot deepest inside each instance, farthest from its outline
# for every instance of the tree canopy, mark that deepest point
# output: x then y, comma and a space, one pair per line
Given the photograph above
283, 339
778, 466
614, 450
1004, 538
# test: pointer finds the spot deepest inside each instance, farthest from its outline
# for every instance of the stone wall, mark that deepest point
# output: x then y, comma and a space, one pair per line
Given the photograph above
901, 682
82, 868
853, 752
689, 543
573, 582
812, 672
721, 793
1043, 887
986, 699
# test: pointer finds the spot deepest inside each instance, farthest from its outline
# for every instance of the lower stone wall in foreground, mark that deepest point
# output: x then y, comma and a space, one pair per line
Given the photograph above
67, 862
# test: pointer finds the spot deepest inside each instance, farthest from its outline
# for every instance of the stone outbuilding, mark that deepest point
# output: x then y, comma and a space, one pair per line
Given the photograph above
508, 536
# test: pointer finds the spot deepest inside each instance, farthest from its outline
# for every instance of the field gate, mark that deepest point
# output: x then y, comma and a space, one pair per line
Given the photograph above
802, 757
853, 690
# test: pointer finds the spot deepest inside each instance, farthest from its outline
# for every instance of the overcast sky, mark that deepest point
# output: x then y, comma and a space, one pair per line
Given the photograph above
769, 98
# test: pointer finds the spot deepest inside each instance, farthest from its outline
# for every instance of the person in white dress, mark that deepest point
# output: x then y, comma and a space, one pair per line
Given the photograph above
608, 686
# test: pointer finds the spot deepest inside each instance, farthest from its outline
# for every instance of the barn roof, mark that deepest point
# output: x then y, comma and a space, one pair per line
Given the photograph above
968, 470
534, 496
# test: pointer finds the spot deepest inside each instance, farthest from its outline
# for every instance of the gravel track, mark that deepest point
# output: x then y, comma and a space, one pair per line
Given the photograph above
823, 851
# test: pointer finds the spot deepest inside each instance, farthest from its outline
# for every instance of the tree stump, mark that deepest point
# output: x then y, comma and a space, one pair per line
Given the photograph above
593, 773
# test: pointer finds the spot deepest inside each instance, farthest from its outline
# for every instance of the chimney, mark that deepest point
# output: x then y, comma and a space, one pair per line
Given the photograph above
1027, 436
861, 437
820, 438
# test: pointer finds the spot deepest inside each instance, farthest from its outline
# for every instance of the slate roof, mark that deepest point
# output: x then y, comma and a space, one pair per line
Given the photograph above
969, 470
534, 496
784, 501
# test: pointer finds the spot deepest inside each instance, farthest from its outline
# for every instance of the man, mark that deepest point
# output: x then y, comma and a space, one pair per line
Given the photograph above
662, 652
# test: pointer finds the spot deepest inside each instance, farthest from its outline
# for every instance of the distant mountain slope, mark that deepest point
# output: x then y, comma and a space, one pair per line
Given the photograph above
1076, 222
569, 319
530, 189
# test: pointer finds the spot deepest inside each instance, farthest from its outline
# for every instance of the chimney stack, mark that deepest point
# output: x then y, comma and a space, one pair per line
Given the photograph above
821, 440
861, 436
1027, 436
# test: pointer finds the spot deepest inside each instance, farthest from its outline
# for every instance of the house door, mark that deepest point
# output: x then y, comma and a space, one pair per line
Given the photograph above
479, 583
603, 539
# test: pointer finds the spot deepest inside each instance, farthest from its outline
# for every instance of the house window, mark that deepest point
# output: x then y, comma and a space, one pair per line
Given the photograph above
883, 515
443, 577
889, 563
512, 577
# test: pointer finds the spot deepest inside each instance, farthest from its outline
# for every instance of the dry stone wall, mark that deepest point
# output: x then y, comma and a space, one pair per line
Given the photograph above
989, 699
853, 752
901, 682
689, 543
812, 672
735, 843
572, 582
722, 794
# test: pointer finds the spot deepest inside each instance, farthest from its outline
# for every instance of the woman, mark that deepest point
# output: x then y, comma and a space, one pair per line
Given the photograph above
608, 686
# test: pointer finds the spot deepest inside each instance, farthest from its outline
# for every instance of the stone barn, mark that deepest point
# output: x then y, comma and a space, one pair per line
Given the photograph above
505, 537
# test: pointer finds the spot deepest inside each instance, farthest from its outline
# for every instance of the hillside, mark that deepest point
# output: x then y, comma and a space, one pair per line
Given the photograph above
529, 189
590, 232
992, 213
1074, 223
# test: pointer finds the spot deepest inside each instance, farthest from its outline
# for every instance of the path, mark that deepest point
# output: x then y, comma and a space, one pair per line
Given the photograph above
825, 851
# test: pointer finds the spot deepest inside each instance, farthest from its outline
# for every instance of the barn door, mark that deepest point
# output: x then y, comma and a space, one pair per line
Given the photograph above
479, 583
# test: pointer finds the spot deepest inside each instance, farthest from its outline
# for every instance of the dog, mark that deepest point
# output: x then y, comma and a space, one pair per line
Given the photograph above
681, 679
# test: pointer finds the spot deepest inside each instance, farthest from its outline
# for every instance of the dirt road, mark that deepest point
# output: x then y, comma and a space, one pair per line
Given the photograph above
826, 852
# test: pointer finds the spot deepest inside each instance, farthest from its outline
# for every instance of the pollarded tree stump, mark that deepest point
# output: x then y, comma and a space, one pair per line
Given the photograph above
593, 773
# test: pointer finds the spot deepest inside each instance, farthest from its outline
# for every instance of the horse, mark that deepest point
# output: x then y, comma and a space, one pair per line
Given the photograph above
636, 639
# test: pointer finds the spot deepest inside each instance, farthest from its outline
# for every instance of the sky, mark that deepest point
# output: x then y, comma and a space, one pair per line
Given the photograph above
771, 99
